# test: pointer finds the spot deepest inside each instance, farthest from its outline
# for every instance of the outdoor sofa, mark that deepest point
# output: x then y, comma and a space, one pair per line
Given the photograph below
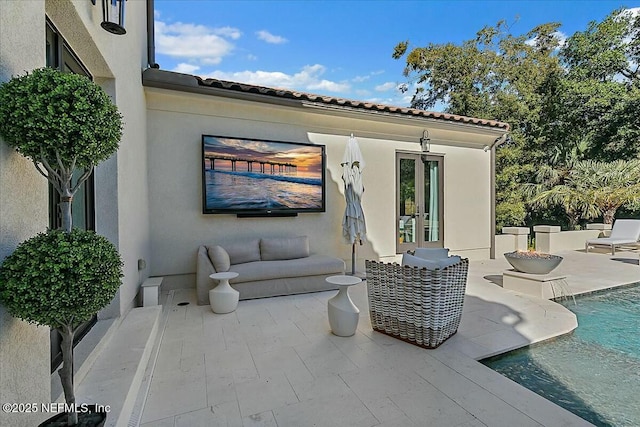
625, 232
266, 267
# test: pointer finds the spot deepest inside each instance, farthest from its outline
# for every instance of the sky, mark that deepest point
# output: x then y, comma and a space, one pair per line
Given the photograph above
338, 48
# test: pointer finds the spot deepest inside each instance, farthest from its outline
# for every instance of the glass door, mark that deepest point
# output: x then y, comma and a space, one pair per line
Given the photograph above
419, 201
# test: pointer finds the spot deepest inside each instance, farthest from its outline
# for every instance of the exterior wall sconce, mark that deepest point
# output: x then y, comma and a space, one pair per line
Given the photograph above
425, 141
113, 16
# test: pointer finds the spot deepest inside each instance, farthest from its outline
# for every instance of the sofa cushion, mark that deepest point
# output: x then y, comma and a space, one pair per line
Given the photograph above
242, 252
310, 266
219, 258
282, 248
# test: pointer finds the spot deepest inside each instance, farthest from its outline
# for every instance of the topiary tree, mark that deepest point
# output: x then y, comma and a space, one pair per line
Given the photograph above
61, 280
63, 123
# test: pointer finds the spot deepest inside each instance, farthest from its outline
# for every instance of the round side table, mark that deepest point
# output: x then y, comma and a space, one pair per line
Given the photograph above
223, 298
343, 313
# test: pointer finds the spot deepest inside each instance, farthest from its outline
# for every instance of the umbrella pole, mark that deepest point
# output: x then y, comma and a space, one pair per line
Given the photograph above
353, 259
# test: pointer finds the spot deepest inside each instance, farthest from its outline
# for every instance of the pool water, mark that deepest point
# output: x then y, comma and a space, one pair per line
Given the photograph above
593, 372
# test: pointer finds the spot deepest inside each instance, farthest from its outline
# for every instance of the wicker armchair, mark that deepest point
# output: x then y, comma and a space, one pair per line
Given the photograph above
420, 306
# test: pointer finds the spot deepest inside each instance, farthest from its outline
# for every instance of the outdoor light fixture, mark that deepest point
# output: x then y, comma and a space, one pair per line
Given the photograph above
113, 16
425, 141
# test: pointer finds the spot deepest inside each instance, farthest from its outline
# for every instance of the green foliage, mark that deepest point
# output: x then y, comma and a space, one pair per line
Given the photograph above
592, 189
565, 102
51, 116
58, 278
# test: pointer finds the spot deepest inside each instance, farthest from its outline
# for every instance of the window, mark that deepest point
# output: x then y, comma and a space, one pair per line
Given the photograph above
60, 55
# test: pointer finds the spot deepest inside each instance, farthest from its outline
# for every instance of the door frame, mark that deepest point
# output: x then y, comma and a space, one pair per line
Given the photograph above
419, 178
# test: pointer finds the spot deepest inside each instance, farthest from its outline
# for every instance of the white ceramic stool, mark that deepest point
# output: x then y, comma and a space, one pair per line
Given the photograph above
343, 313
223, 298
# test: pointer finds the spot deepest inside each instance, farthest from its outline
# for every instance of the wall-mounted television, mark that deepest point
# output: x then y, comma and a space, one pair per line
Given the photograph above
255, 177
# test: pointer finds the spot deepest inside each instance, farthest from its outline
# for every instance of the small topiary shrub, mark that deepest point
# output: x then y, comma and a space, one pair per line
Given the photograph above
51, 116
60, 279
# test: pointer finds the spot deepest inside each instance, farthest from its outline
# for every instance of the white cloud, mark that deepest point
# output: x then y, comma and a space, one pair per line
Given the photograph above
360, 79
562, 39
252, 57
195, 42
386, 86
270, 38
186, 68
308, 79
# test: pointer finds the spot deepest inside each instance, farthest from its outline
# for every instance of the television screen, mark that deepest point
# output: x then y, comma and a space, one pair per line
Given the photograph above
258, 177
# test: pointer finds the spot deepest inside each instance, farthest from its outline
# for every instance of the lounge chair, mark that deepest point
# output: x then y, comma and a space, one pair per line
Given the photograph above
624, 232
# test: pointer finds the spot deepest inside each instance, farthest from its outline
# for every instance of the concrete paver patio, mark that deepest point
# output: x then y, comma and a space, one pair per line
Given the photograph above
274, 362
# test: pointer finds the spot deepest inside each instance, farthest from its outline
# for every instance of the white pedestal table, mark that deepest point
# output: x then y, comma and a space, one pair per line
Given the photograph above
343, 313
223, 298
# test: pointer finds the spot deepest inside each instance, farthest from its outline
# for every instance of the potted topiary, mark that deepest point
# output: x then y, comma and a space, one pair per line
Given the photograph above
64, 123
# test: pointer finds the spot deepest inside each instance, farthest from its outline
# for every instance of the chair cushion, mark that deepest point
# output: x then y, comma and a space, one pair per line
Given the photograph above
282, 248
429, 264
432, 253
414, 261
219, 258
447, 262
243, 252
628, 229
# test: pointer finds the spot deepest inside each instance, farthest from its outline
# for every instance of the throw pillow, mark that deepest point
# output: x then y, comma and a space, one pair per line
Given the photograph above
243, 252
219, 258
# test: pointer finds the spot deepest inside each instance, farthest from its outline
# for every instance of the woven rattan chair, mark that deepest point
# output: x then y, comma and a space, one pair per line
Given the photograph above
420, 306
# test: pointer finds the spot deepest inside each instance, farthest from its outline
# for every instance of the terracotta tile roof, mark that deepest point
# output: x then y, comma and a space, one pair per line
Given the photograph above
344, 103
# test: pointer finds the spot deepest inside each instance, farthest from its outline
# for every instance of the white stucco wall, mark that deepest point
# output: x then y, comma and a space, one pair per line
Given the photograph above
177, 121
116, 63
24, 348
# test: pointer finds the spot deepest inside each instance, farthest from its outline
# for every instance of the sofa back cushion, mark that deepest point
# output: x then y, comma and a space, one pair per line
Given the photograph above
219, 258
242, 252
279, 248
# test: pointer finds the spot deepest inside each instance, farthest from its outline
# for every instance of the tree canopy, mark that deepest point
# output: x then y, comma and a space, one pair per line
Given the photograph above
566, 100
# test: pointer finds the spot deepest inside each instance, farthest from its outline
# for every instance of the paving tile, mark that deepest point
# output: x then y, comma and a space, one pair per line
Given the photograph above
165, 422
176, 393
264, 394
284, 360
431, 407
205, 417
263, 419
320, 388
328, 411
446, 380
324, 358
493, 411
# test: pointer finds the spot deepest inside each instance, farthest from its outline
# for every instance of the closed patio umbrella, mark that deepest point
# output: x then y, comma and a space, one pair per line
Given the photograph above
354, 228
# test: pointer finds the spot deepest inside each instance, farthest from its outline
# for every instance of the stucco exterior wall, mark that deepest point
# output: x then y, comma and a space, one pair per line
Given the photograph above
177, 121
116, 63
24, 348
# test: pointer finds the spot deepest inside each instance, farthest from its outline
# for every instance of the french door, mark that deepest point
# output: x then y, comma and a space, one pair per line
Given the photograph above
419, 201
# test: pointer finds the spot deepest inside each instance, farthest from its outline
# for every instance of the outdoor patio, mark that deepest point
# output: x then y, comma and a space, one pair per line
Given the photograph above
274, 362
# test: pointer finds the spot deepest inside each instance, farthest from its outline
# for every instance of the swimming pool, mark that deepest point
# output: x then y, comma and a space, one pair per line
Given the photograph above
593, 372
